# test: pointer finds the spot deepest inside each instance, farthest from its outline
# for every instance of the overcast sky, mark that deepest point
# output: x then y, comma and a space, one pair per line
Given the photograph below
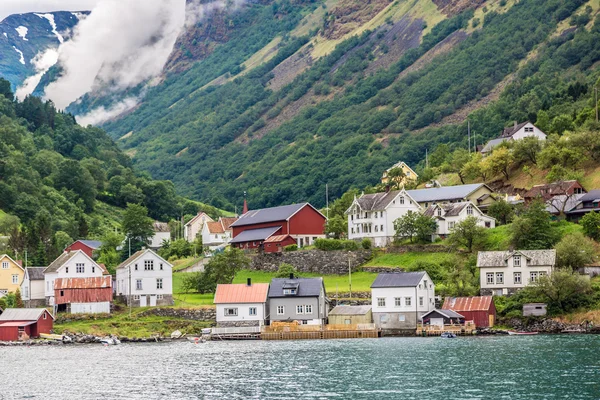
8, 7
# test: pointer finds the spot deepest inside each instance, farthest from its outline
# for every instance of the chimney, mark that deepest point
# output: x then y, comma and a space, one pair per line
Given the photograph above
387, 188
249, 282
515, 122
245, 209
291, 275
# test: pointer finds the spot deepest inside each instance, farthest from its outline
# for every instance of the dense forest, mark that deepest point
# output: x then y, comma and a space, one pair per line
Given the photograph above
358, 120
60, 181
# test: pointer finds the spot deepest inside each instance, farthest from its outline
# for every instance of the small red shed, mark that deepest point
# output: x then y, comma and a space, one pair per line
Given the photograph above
276, 243
24, 323
87, 246
480, 309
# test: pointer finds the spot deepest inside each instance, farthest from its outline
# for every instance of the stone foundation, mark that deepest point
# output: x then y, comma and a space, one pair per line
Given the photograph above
237, 324
317, 261
195, 314
35, 303
167, 300
491, 292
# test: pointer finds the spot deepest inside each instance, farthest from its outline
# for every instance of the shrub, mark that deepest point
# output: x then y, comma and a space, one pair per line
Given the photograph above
285, 270
290, 247
365, 244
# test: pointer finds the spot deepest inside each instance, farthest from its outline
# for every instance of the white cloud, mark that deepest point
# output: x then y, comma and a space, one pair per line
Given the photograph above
8, 7
101, 114
42, 63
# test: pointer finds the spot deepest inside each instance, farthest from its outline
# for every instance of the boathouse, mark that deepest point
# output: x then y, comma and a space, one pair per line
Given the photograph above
83, 295
350, 315
480, 309
24, 323
442, 317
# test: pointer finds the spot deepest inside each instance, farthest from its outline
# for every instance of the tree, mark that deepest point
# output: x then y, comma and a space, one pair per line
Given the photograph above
527, 149
18, 299
136, 223
502, 211
591, 225
563, 290
337, 227
533, 229
5, 89
396, 177
415, 225
575, 251
457, 163
473, 169
3, 304
468, 234
499, 161
222, 269
286, 270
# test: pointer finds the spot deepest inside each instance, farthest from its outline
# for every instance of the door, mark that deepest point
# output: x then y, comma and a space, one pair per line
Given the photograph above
143, 301
491, 317
437, 322
152, 300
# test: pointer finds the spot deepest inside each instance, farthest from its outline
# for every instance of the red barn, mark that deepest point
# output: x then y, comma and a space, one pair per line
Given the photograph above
24, 323
87, 246
302, 222
480, 309
276, 243
83, 295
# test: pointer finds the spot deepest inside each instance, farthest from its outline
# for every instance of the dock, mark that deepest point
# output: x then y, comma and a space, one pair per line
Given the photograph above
467, 329
291, 331
236, 333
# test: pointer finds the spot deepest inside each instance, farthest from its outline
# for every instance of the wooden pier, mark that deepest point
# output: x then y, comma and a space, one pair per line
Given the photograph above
467, 329
286, 331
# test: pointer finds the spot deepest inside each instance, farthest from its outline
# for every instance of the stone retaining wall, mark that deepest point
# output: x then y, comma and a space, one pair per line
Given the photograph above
195, 314
237, 324
315, 261
420, 248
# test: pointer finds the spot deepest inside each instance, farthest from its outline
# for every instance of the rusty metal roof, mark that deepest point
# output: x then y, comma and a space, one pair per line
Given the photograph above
83, 283
241, 293
276, 238
473, 303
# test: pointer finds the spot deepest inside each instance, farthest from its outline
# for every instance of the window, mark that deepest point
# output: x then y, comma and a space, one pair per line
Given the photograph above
25, 292
138, 284
376, 228
15, 279
231, 312
299, 309
451, 225
533, 276
439, 212
67, 269
488, 224
381, 228
62, 293
516, 261
159, 283
517, 276
401, 199
384, 319
4, 264
407, 301
159, 297
136, 297
352, 230
489, 278
542, 273
469, 210
136, 267
148, 265
529, 129
79, 268
252, 311
398, 301
420, 301
289, 291
161, 266
280, 310
45, 315
420, 286
381, 302
499, 278
308, 309
401, 317
376, 214
352, 217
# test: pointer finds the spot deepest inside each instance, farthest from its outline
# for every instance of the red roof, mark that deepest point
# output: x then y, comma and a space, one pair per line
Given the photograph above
276, 238
83, 283
215, 227
241, 293
474, 303
17, 323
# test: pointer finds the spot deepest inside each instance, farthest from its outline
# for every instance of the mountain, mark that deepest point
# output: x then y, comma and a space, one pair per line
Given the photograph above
29, 43
278, 98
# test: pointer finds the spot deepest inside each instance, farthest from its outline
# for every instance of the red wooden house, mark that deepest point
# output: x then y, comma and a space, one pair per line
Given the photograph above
480, 309
302, 222
87, 246
276, 243
24, 323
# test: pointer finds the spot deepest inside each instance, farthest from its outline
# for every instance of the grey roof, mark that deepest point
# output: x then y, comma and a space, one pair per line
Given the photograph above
307, 287
22, 314
252, 235
35, 273
450, 209
445, 193
350, 310
60, 261
140, 253
591, 196
500, 258
273, 214
556, 203
489, 146
94, 244
398, 279
445, 313
377, 201
511, 130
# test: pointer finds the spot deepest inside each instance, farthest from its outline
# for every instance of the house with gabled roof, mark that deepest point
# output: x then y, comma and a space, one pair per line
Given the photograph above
547, 191
448, 215
298, 299
32, 288
71, 264
479, 309
505, 272
217, 233
193, 228
589, 202
24, 323
301, 221
11, 275
515, 132
440, 318
241, 304
87, 246
145, 279
162, 233
400, 299
407, 173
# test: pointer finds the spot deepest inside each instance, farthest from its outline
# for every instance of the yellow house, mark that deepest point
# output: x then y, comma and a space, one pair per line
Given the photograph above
407, 173
11, 275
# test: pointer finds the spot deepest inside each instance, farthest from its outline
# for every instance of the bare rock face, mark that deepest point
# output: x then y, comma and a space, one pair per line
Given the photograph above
453, 7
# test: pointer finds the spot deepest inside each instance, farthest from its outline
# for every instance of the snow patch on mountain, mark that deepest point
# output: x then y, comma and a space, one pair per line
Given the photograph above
50, 18
42, 63
22, 31
22, 60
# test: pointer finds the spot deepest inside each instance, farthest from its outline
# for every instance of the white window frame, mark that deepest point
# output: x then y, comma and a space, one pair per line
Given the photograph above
517, 279
230, 312
160, 297
308, 309
252, 311
289, 291
499, 278
139, 285
381, 302
397, 301
534, 276
299, 309
421, 301
148, 265
280, 310
401, 198
15, 279
159, 283
80, 268
469, 210
489, 278
401, 318
5, 265
408, 301
516, 260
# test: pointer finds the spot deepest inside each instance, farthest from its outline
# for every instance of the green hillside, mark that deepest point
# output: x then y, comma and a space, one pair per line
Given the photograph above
60, 181
347, 88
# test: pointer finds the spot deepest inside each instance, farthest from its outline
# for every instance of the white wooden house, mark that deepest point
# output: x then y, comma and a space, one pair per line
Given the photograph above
217, 233
150, 278
32, 287
71, 264
448, 215
505, 272
515, 132
193, 228
241, 304
400, 299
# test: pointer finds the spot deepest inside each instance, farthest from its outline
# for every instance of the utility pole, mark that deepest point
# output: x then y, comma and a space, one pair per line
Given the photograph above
129, 297
469, 134
327, 201
426, 160
349, 276
596, 98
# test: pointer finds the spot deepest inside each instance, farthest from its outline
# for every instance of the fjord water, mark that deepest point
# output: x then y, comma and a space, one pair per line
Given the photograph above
499, 367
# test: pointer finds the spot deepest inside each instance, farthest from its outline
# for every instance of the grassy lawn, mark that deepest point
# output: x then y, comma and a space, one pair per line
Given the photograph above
183, 263
407, 259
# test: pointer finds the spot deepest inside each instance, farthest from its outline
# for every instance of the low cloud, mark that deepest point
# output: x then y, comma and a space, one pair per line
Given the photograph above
102, 114
42, 63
